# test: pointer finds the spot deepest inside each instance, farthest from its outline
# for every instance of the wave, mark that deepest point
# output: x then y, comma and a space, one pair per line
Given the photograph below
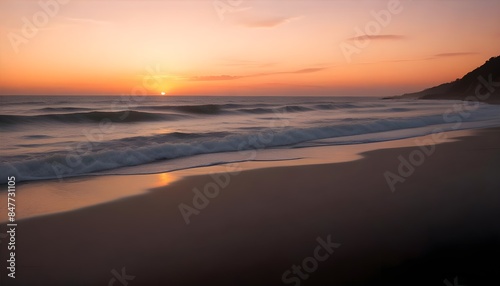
288, 108
199, 109
128, 116
234, 108
82, 115
62, 109
237, 108
190, 107
222, 126
141, 150
37, 136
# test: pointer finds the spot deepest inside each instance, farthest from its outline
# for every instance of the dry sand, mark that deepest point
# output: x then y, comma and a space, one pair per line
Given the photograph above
441, 223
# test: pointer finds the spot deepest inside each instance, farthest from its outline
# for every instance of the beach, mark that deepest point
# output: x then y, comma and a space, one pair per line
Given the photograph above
438, 225
249, 143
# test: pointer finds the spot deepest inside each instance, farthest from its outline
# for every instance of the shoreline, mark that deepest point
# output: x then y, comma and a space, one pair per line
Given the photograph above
441, 223
74, 193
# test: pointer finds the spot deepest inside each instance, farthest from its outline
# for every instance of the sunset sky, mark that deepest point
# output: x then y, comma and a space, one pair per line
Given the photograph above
245, 47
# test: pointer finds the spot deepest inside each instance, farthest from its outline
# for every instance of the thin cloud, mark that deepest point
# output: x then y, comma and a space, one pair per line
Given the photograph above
229, 77
310, 70
301, 71
446, 55
215, 78
266, 22
386, 37
430, 58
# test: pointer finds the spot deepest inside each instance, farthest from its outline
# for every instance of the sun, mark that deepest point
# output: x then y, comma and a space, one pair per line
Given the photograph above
162, 93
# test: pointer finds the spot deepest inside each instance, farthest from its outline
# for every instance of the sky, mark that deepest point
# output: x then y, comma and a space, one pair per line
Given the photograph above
241, 47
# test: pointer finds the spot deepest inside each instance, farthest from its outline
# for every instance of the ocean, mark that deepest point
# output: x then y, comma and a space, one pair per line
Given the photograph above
65, 136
